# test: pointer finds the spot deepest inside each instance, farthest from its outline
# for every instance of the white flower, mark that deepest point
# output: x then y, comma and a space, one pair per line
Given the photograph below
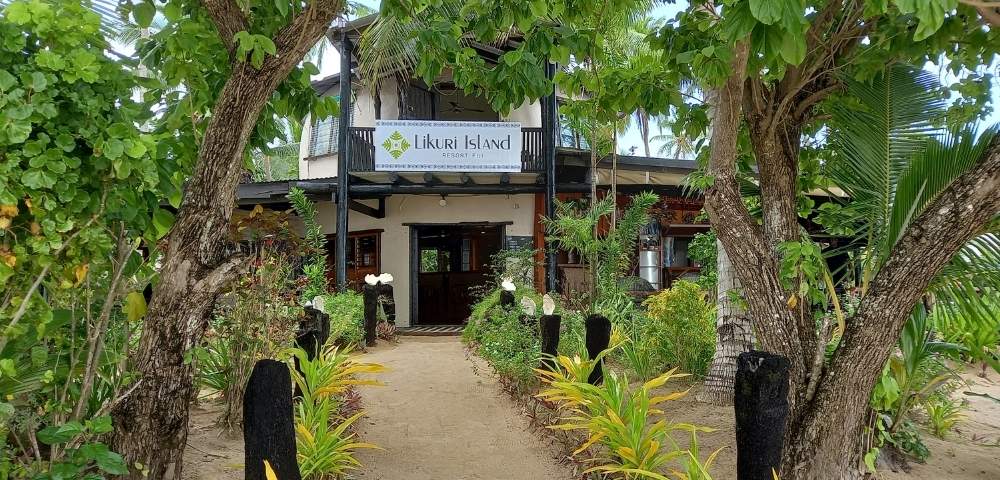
385, 278
318, 303
371, 279
528, 306
548, 305
507, 285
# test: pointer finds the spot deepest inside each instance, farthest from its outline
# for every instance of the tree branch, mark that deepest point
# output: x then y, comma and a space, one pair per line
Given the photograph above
296, 39
229, 19
927, 245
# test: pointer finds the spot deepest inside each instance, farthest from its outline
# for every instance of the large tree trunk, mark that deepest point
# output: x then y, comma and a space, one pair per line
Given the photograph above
734, 334
151, 424
827, 406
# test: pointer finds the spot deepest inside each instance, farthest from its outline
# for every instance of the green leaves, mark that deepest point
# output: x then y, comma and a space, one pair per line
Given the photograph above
767, 11
929, 13
54, 435
256, 45
143, 13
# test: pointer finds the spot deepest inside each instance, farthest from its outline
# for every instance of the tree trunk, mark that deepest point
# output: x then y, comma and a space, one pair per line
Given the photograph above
151, 424
734, 335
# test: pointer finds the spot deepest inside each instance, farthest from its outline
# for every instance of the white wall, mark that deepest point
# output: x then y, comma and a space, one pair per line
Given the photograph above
401, 209
529, 114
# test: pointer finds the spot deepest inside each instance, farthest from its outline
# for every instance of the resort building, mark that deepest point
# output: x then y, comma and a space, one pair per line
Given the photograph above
428, 183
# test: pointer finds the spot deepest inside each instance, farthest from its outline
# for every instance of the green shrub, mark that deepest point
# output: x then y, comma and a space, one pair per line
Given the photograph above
326, 448
681, 327
511, 347
347, 312
942, 415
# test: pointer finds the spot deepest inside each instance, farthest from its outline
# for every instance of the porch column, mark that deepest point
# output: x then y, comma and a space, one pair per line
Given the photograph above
550, 128
343, 156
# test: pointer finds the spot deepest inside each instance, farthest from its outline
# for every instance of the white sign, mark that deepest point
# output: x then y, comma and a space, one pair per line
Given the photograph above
433, 146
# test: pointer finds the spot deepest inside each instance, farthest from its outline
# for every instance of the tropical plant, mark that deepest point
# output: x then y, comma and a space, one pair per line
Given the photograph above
978, 333
346, 311
684, 325
325, 446
608, 256
618, 418
255, 320
314, 266
510, 346
942, 415
910, 379
704, 250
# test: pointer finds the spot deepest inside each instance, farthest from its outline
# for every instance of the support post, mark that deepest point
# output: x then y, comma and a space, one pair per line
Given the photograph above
548, 326
598, 336
761, 404
343, 157
550, 128
269, 422
370, 296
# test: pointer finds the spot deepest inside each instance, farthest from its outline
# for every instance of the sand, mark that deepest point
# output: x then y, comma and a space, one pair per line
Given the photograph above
441, 415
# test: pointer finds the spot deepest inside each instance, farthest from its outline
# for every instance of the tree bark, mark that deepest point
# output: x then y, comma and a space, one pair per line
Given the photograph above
826, 434
151, 425
734, 335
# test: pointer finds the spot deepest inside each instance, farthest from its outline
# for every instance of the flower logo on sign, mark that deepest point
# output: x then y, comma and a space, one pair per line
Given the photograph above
395, 144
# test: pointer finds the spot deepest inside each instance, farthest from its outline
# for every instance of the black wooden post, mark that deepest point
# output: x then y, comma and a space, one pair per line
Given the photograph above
550, 128
597, 339
761, 405
268, 422
370, 295
507, 299
548, 325
388, 302
343, 157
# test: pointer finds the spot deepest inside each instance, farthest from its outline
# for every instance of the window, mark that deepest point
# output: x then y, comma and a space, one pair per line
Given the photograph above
323, 140
570, 136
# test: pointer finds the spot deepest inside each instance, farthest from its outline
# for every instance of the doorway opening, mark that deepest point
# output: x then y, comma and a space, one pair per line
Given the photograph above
446, 261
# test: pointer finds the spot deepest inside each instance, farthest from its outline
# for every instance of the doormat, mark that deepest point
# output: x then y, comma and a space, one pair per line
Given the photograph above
431, 330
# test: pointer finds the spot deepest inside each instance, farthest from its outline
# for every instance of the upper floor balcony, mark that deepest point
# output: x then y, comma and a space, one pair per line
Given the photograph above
362, 149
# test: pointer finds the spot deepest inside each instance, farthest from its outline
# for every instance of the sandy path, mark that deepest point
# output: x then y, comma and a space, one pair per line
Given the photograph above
437, 419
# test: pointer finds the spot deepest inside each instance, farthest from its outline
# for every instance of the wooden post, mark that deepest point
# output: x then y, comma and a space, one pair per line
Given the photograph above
370, 295
343, 157
388, 302
549, 328
507, 299
598, 337
550, 128
269, 423
761, 405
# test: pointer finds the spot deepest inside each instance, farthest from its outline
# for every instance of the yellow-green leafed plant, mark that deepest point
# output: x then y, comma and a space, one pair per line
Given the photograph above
325, 446
617, 417
695, 469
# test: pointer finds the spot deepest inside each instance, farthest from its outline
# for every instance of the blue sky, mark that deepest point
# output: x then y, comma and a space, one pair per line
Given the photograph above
331, 62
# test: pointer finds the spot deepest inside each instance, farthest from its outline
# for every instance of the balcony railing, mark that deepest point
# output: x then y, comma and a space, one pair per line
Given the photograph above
363, 150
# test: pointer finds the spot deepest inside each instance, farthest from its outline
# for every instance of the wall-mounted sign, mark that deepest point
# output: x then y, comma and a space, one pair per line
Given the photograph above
431, 146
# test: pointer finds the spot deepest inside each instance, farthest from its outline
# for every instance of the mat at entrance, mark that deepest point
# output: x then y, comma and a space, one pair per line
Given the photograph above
431, 330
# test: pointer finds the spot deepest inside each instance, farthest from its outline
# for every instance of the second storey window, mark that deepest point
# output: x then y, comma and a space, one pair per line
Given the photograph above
323, 140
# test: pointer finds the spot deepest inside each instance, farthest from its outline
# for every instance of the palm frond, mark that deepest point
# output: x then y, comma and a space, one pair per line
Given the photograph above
878, 131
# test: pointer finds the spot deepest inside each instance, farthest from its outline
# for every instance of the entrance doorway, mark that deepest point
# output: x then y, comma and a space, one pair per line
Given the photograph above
446, 261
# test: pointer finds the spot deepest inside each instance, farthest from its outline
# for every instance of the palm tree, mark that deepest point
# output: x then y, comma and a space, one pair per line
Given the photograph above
893, 159
734, 334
